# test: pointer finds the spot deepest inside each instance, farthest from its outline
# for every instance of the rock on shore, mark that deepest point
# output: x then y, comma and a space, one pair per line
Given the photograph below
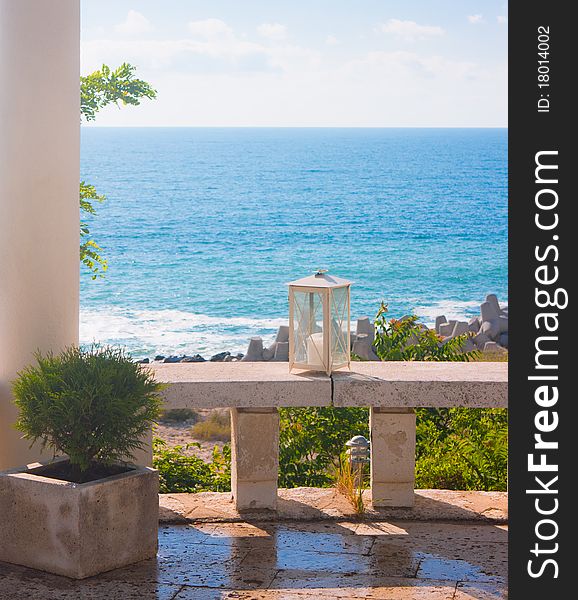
489, 330
488, 333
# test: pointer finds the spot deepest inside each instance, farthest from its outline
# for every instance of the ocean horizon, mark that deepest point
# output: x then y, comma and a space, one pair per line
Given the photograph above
203, 227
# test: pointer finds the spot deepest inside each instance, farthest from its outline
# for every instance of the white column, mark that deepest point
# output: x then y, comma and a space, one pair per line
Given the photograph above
392, 456
39, 175
254, 457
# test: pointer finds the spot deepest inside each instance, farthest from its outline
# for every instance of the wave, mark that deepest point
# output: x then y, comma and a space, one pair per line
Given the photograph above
168, 331
453, 309
150, 332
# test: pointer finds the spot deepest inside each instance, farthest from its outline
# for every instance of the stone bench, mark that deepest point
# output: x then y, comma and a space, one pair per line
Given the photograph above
392, 390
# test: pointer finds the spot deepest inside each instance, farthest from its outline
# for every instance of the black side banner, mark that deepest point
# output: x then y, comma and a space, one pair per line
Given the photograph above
543, 264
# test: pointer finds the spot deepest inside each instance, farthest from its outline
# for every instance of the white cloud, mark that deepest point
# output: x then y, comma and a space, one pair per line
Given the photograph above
502, 20
411, 66
209, 28
215, 75
356, 93
409, 30
273, 31
213, 48
134, 24
476, 19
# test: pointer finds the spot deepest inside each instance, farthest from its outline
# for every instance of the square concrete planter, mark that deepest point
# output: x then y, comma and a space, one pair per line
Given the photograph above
78, 530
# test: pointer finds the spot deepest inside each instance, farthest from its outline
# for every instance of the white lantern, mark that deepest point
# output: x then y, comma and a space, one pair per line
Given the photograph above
319, 330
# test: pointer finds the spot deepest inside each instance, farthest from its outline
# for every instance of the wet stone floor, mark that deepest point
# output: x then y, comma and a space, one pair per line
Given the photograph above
395, 560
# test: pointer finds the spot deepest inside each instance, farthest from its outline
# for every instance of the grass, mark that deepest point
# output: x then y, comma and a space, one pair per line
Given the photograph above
492, 357
178, 415
217, 427
349, 483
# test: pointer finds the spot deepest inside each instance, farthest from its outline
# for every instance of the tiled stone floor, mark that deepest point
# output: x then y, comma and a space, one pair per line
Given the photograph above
394, 560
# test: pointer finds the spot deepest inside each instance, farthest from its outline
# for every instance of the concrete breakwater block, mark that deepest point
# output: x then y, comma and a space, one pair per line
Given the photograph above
460, 328
493, 299
446, 329
480, 340
490, 326
493, 347
269, 353
363, 347
489, 311
365, 327
278, 351
281, 352
474, 324
361, 344
254, 351
282, 334
439, 322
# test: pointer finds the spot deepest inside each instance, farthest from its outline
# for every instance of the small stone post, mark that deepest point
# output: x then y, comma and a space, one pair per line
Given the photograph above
254, 457
392, 456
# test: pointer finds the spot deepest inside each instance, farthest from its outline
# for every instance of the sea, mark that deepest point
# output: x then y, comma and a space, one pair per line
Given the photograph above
203, 227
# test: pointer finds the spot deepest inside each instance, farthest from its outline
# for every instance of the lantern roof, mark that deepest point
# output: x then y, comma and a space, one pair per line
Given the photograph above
320, 278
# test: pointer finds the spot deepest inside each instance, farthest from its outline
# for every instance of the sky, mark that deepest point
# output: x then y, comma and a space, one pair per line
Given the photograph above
305, 63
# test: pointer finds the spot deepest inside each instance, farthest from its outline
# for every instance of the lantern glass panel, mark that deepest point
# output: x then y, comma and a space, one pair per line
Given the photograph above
308, 328
339, 319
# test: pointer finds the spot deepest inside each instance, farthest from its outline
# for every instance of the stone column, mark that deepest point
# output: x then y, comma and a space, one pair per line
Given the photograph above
392, 456
254, 457
144, 457
39, 210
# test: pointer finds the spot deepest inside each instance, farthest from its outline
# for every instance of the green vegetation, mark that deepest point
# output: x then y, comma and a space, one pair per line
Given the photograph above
90, 251
178, 415
92, 405
98, 90
311, 440
216, 427
492, 357
457, 448
462, 448
179, 472
406, 339
112, 86
350, 482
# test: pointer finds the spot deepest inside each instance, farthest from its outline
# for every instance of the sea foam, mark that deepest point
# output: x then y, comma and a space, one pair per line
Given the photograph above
150, 332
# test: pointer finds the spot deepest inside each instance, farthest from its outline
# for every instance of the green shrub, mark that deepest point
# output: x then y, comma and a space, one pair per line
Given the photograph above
178, 415
311, 440
216, 427
406, 339
179, 472
92, 405
462, 448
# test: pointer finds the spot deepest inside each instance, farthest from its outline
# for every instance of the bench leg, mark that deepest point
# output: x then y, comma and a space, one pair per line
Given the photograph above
392, 456
254, 457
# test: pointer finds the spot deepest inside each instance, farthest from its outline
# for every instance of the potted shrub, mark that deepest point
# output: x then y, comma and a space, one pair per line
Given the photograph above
89, 510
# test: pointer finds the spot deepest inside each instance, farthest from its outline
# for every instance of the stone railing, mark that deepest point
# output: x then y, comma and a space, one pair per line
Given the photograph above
392, 390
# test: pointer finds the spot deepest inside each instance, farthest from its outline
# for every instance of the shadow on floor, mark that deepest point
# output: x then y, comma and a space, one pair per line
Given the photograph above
313, 557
